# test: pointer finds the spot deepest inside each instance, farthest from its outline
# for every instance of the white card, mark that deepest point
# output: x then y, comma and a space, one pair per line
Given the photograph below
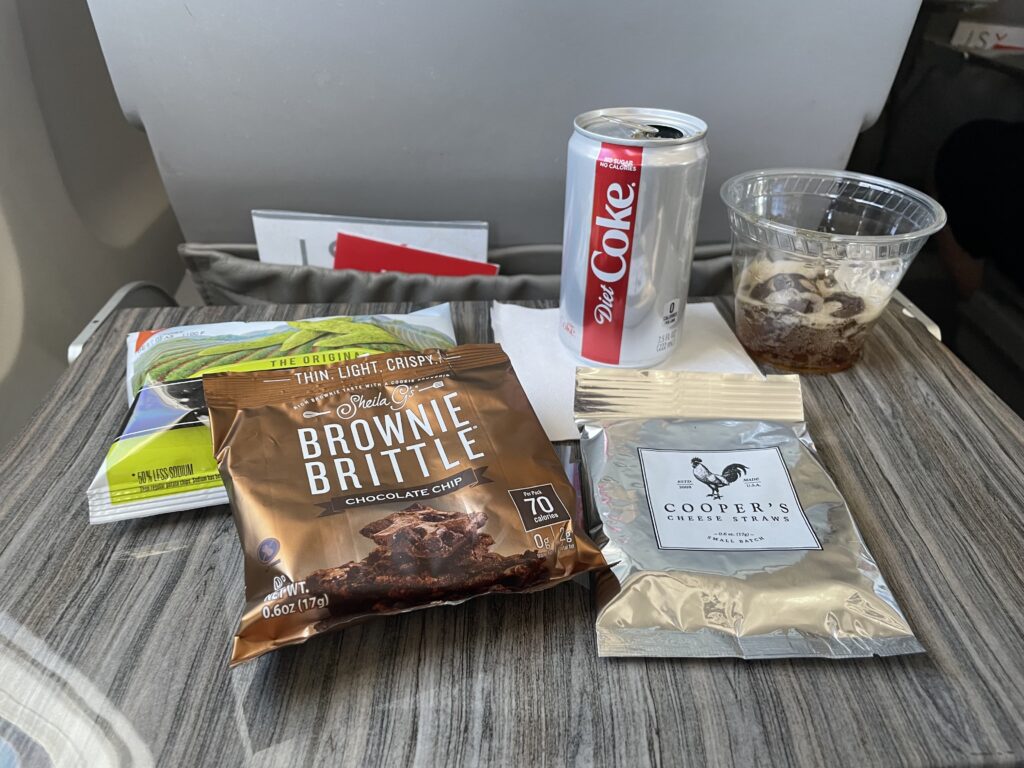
547, 370
982, 36
285, 237
730, 500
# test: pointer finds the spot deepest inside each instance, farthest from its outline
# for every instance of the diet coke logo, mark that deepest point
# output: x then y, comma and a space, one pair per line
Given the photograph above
610, 263
616, 184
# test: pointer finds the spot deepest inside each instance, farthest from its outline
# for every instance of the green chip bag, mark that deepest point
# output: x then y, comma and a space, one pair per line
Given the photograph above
162, 460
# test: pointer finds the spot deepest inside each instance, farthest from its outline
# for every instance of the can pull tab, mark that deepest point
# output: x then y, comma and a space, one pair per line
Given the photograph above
637, 130
646, 131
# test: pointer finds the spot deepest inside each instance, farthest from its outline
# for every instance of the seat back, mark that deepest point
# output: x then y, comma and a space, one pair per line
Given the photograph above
462, 110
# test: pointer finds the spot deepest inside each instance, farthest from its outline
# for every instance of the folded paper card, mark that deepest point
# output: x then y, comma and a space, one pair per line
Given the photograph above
369, 255
288, 237
547, 370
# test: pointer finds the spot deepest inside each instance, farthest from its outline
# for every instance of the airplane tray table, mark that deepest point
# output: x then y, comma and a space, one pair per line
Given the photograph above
114, 639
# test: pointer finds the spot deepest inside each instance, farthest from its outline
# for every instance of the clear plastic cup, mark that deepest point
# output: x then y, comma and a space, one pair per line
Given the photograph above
816, 257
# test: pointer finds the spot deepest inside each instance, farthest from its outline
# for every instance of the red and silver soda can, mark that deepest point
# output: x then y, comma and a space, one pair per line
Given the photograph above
632, 198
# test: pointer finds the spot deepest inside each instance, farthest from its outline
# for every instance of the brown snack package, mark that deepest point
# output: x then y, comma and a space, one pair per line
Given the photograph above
387, 484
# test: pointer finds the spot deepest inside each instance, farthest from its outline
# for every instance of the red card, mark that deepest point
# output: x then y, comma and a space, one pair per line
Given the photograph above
366, 255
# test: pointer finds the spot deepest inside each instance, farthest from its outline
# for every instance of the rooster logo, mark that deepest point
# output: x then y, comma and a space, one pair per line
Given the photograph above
729, 475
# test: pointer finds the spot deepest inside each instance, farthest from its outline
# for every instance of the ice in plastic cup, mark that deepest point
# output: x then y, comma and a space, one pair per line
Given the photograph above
816, 257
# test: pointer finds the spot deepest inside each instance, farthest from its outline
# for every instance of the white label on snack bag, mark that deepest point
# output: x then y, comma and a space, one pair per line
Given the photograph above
731, 500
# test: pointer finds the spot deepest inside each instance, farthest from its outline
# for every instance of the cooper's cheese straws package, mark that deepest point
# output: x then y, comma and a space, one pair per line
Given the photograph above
726, 535
162, 460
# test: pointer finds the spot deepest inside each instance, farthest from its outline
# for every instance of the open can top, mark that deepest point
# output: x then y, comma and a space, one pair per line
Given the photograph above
637, 126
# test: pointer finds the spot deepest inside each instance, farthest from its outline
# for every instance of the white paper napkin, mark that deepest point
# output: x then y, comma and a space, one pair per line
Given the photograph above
547, 370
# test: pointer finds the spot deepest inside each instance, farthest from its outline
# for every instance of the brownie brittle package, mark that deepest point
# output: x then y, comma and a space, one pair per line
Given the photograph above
386, 484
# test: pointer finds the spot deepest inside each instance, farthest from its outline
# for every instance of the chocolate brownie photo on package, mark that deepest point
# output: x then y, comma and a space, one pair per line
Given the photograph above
387, 484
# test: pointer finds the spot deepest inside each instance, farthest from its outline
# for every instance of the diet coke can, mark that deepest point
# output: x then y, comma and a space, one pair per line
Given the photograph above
632, 197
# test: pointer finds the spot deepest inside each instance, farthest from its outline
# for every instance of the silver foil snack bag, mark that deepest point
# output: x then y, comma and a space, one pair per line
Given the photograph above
726, 534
